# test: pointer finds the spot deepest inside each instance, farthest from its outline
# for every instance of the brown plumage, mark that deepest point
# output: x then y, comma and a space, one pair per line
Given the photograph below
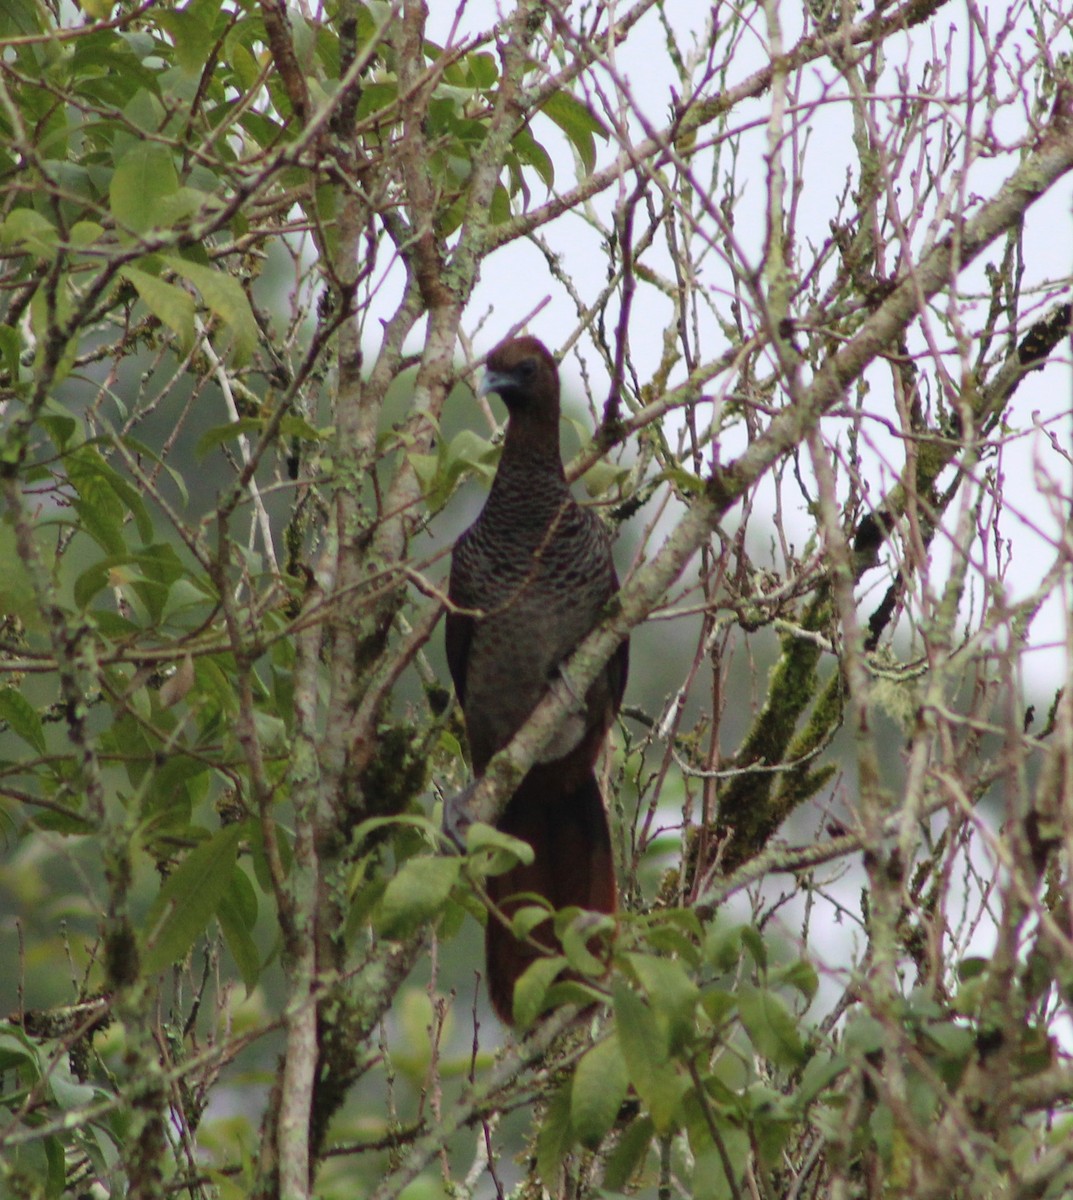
539, 569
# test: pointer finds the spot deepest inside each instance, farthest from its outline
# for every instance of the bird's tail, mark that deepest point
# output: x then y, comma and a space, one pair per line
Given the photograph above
572, 865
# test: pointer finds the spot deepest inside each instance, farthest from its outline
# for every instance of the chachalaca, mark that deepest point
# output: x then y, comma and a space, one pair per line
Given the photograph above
537, 566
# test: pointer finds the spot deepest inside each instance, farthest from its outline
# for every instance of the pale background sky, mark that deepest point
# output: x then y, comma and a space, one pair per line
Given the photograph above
516, 279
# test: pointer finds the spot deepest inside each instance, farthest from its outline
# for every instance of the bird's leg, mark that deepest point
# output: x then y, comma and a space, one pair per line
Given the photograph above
457, 817
574, 725
561, 677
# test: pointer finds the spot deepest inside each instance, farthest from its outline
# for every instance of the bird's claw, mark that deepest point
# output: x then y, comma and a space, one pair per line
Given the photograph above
456, 816
571, 691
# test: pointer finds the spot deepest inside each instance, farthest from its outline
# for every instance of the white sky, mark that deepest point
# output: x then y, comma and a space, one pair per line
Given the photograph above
1037, 483
516, 278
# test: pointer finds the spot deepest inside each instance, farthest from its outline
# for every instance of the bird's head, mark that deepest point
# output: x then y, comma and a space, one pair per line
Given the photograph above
523, 373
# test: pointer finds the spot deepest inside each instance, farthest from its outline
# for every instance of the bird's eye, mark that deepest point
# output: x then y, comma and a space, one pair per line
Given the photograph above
527, 368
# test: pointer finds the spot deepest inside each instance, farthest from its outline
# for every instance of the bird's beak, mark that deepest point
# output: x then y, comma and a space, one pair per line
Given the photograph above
493, 381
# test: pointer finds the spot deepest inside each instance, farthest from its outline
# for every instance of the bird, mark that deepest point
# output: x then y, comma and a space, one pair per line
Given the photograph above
528, 581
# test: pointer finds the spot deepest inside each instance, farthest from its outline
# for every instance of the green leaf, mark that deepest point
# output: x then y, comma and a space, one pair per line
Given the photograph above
106, 494
237, 919
403, 821
59, 424
169, 794
554, 1140
259, 858
531, 990
864, 1035
672, 994
190, 897
566, 990
685, 481
972, 968
50, 314
528, 917
141, 449
243, 896
11, 351
17, 17
102, 522
66, 1090
17, 595
440, 472
602, 476
193, 37
26, 229
430, 474
770, 1025
468, 450
501, 852
578, 122
598, 1090
955, 1043
56, 1157
820, 1072
486, 837
220, 434
644, 1047
800, 975
675, 932
576, 929
17, 1052
85, 233
482, 70
223, 294
722, 946
752, 940
144, 178
499, 209
418, 893
629, 1154
533, 154
294, 425
102, 574
167, 302
709, 1177
22, 717
718, 1003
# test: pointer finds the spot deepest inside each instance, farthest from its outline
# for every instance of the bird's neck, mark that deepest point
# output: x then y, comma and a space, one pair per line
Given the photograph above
530, 488
531, 450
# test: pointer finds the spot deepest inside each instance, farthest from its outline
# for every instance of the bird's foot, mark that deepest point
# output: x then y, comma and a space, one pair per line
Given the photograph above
568, 686
456, 816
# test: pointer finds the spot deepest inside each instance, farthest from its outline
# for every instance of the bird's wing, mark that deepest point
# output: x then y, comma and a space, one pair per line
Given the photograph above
458, 633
